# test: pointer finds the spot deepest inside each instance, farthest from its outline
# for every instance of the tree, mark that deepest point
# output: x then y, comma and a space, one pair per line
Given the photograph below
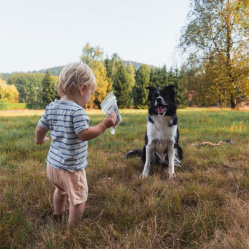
114, 64
163, 78
174, 78
48, 88
139, 90
28, 85
93, 57
159, 77
123, 79
121, 86
8, 93
131, 76
217, 36
152, 77
108, 67
131, 70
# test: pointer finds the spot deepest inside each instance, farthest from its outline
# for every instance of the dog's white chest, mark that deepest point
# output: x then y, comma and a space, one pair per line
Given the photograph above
160, 129
160, 134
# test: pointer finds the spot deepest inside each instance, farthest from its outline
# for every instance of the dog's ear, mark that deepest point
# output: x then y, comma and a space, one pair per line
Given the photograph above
170, 88
151, 90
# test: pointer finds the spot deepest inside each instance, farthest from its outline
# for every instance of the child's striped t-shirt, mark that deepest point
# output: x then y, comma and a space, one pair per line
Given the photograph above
65, 120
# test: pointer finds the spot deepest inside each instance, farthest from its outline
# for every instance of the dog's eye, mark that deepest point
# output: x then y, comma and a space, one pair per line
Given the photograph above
156, 95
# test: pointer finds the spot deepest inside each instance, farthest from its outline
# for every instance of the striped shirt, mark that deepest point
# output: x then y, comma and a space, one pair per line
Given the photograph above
65, 120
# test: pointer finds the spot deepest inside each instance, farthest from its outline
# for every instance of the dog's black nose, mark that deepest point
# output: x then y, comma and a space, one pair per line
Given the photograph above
159, 100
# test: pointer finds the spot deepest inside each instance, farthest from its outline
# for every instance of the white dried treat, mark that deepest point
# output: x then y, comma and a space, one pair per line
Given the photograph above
110, 105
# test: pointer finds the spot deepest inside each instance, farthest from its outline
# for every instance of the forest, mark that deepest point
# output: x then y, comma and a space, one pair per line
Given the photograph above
127, 82
215, 41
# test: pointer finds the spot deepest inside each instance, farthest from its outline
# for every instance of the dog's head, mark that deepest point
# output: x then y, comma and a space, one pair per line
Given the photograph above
162, 102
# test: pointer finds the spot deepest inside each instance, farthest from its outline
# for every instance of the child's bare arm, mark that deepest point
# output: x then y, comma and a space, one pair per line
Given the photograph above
40, 135
95, 131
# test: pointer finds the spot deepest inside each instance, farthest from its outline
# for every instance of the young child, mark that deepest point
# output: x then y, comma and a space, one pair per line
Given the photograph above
69, 128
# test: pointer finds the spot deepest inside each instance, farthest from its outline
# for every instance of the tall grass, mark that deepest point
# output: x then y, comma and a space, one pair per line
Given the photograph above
205, 206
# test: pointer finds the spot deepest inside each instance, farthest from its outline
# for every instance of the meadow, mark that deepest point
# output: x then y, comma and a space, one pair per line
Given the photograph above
205, 206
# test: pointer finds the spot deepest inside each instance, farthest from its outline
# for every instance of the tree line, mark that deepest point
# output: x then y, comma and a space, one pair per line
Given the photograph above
127, 83
30, 87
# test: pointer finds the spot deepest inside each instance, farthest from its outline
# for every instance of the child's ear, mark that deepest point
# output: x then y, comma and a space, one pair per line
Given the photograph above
82, 88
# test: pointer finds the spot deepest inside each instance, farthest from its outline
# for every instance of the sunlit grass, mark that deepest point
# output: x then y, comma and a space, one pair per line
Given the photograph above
205, 206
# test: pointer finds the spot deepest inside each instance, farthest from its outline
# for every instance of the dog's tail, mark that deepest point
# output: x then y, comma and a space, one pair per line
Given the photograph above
134, 153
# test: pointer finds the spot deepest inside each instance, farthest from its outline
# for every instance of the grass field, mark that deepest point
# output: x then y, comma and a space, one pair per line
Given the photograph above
205, 206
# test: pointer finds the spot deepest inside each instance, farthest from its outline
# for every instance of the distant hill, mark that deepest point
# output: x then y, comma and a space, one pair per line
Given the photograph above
137, 65
55, 71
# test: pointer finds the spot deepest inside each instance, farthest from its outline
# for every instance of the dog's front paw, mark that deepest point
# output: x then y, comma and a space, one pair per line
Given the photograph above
172, 175
144, 176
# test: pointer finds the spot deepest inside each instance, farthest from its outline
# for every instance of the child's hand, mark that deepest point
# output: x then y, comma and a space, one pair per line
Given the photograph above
110, 120
43, 141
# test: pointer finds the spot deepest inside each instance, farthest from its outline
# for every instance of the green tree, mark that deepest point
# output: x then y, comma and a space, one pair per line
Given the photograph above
48, 88
217, 32
28, 85
114, 64
174, 78
108, 67
153, 77
191, 82
131, 76
159, 77
163, 77
139, 90
131, 81
121, 86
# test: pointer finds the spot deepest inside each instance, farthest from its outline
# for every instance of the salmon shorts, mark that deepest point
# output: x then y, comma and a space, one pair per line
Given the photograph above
73, 184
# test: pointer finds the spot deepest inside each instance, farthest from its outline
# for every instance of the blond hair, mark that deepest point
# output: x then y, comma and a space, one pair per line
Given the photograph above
74, 75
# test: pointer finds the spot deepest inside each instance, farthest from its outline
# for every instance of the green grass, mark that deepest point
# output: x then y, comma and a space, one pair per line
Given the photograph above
205, 206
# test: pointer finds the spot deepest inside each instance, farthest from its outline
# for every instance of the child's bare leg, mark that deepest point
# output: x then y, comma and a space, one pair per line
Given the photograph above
75, 213
60, 202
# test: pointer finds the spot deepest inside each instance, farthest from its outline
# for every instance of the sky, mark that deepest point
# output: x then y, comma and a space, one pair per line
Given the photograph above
39, 34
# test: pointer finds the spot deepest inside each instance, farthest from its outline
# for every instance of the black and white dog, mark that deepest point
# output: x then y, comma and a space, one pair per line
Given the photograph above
162, 135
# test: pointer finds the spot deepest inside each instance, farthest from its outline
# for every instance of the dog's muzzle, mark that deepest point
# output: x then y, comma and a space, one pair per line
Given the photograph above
161, 106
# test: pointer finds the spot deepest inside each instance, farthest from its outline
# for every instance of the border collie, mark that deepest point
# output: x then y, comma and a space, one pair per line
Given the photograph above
162, 135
